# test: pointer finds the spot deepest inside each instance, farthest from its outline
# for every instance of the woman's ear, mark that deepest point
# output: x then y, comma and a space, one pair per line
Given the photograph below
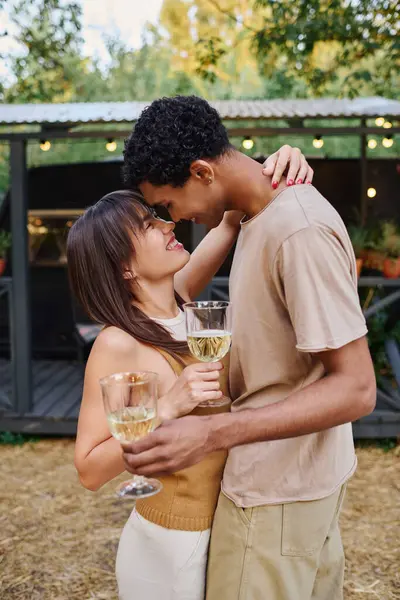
128, 275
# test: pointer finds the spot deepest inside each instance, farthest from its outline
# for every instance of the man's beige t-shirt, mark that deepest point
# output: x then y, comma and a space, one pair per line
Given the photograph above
293, 288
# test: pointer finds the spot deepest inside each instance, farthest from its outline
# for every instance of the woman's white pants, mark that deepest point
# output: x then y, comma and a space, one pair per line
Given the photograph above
154, 563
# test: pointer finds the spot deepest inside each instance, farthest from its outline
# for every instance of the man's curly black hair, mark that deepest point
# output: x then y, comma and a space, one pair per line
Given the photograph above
170, 134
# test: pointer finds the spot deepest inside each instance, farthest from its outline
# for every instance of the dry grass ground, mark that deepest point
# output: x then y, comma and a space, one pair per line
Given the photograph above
58, 541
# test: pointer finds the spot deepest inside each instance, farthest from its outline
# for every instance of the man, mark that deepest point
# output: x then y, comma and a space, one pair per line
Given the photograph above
300, 366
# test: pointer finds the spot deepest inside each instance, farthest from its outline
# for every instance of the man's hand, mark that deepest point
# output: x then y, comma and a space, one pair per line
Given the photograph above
299, 169
174, 446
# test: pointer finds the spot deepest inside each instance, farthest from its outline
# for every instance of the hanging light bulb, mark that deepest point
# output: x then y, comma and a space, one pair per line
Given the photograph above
379, 121
318, 142
371, 192
387, 125
248, 143
45, 145
387, 141
372, 143
111, 145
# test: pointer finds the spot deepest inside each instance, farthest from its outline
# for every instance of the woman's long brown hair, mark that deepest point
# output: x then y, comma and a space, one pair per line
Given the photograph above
98, 249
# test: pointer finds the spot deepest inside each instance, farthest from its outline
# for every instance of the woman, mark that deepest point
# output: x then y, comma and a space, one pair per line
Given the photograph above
130, 273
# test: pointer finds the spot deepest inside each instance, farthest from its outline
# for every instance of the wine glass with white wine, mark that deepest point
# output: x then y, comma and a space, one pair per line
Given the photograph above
130, 402
208, 327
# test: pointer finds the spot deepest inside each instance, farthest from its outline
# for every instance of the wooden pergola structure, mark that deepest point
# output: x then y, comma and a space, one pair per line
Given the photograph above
20, 124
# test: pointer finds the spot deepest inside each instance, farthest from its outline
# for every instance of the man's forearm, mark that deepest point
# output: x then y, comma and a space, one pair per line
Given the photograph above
331, 401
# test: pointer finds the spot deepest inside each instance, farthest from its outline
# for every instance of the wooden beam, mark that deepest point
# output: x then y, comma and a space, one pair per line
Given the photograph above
328, 131
21, 323
232, 131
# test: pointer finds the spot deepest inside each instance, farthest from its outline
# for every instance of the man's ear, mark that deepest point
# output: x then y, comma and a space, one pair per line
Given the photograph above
202, 171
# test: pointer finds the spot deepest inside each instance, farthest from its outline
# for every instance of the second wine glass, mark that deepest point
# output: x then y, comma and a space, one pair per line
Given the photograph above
130, 403
209, 334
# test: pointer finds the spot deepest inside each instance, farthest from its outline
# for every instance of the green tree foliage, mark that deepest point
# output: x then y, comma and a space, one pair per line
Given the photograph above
351, 46
48, 38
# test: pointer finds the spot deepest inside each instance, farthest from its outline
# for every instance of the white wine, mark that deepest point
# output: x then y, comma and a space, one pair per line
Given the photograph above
131, 423
209, 345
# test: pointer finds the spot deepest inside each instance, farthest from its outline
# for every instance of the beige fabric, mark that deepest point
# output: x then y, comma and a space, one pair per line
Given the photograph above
154, 563
277, 552
293, 288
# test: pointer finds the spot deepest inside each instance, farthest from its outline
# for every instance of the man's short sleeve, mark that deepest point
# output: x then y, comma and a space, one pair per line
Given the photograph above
319, 290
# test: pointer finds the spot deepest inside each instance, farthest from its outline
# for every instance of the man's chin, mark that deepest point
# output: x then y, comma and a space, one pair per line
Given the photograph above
209, 222
213, 222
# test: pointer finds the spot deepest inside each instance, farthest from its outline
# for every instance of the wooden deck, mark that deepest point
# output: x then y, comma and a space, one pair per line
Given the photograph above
57, 392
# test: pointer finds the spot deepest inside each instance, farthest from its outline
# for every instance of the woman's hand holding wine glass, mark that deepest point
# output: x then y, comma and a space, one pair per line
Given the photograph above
197, 383
209, 334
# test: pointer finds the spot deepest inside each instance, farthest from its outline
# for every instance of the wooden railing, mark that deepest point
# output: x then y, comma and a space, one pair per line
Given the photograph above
385, 420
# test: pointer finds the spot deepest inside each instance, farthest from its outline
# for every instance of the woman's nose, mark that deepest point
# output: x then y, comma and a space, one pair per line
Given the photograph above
168, 226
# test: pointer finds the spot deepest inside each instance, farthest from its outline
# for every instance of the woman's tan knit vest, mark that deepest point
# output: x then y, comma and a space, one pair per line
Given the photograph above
189, 497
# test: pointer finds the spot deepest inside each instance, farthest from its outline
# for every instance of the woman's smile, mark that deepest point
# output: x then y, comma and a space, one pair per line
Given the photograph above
173, 244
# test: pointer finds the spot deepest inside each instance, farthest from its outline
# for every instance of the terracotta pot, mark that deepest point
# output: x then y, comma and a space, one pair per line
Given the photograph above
359, 263
391, 268
374, 260
3, 263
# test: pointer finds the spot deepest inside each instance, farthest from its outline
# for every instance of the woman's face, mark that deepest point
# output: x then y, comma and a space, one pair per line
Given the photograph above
158, 254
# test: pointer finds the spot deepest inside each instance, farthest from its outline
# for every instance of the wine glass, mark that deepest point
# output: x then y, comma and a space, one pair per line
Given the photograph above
130, 402
208, 327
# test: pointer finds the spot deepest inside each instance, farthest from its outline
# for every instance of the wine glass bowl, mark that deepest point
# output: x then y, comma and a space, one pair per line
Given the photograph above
130, 403
209, 333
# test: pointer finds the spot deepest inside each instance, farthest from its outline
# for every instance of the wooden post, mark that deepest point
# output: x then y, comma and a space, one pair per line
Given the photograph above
363, 158
21, 326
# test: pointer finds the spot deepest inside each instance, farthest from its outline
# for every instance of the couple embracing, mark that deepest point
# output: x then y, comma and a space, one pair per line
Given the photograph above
251, 498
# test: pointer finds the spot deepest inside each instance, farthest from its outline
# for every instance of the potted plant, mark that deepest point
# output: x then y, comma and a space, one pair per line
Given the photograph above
373, 255
390, 246
358, 236
5, 243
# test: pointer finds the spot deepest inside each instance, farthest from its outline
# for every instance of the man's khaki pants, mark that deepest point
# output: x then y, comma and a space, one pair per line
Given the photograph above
277, 552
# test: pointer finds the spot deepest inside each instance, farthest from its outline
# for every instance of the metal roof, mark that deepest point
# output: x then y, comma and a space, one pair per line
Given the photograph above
119, 112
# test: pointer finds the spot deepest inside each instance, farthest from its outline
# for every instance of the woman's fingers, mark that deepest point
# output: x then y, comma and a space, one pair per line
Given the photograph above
208, 366
294, 166
269, 164
301, 176
284, 157
206, 396
206, 386
292, 160
211, 376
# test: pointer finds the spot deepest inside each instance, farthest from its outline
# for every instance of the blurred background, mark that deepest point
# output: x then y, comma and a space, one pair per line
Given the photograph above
74, 75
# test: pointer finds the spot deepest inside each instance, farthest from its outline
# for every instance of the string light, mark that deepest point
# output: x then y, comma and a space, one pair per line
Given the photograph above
111, 145
248, 143
379, 121
387, 125
387, 141
318, 142
371, 192
45, 145
372, 143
